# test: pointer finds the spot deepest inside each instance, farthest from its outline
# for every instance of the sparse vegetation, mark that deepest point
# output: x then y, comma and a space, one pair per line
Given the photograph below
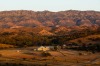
77, 30
0, 55
5, 46
45, 54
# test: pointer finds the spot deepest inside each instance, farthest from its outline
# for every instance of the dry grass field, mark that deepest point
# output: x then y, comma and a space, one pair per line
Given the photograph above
86, 39
3, 46
57, 58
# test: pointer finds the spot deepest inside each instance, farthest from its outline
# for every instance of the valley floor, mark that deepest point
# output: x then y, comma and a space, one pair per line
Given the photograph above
26, 57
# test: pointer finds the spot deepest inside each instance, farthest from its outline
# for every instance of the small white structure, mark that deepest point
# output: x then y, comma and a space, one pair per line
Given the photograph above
43, 48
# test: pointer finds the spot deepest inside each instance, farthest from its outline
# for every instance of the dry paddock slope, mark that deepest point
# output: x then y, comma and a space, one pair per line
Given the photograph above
57, 58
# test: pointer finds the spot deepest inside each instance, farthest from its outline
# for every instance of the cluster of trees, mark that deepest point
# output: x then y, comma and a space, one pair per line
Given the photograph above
87, 21
85, 47
22, 39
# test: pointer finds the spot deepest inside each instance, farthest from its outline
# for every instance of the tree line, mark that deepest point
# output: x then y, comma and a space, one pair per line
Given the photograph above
22, 39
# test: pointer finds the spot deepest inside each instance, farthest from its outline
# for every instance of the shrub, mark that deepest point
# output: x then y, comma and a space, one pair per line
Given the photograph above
45, 54
79, 53
0, 55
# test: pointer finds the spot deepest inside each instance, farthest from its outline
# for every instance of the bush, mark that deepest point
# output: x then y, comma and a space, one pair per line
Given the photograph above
80, 54
45, 54
0, 55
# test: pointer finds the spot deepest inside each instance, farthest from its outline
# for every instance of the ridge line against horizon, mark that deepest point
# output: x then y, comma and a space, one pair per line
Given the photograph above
50, 11
51, 5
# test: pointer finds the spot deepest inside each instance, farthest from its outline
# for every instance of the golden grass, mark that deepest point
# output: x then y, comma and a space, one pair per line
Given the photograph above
55, 59
6, 46
85, 39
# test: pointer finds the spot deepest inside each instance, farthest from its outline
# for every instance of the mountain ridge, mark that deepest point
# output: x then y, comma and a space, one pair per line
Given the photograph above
49, 19
53, 22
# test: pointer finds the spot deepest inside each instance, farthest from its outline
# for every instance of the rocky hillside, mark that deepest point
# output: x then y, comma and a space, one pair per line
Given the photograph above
28, 28
70, 18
